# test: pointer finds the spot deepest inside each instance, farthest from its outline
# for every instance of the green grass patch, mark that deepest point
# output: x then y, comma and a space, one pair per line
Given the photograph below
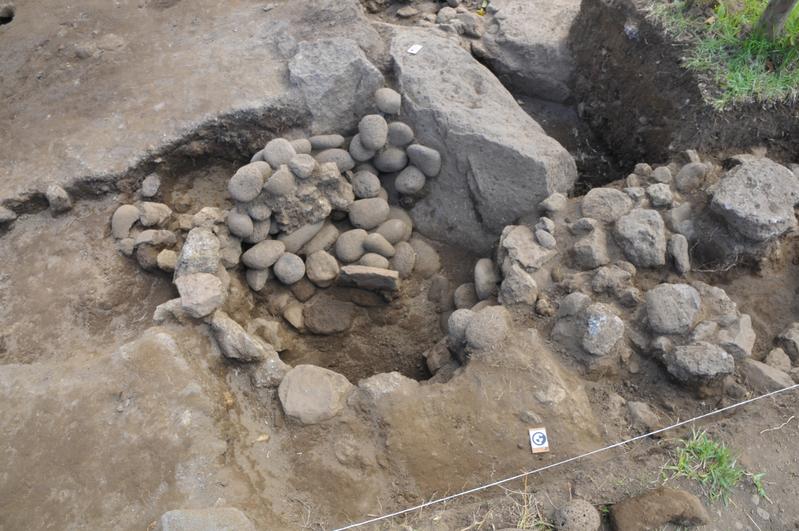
746, 67
711, 464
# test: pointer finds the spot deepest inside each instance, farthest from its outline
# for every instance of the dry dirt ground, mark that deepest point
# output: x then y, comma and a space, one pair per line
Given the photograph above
107, 422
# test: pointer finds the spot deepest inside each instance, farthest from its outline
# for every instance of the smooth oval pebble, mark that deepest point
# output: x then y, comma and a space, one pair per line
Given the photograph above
358, 151
395, 230
349, 246
322, 269
302, 146
278, 151
289, 268
390, 159
410, 181
263, 254
246, 184
374, 260
365, 185
240, 225
322, 142
376, 243
426, 159
343, 160
399, 134
388, 100
281, 183
368, 213
404, 259
373, 131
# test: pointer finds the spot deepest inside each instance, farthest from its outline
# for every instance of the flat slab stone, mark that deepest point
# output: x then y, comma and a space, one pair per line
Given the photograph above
371, 278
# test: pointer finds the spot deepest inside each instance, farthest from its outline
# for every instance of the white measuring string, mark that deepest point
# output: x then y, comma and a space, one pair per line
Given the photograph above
565, 461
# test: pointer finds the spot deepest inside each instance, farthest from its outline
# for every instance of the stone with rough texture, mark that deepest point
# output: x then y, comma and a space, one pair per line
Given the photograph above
311, 394
213, 519
577, 515
302, 165
487, 328
154, 214
691, 176
518, 287
527, 43
200, 253
678, 251
672, 308
337, 81
200, 293
322, 269
58, 199
497, 163
643, 415
486, 278
603, 330
325, 315
699, 363
738, 338
778, 359
518, 244
763, 378
605, 204
369, 278
660, 195
642, 237
789, 341
235, 343
150, 185
657, 508
757, 199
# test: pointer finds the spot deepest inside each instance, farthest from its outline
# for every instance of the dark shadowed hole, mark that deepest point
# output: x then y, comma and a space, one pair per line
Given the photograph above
6, 14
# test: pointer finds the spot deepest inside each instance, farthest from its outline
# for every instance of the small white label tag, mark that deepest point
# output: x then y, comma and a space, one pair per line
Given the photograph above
413, 50
539, 442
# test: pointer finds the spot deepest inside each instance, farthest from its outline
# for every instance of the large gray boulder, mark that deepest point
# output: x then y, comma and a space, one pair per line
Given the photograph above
312, 394
337, 81
757, 198
527, 43
497, 162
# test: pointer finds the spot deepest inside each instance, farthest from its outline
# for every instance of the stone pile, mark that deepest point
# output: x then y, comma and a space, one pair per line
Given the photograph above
593, 248
308, 214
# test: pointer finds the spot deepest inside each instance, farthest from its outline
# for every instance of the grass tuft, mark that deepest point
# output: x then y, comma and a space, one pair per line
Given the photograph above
745, 66
708, 462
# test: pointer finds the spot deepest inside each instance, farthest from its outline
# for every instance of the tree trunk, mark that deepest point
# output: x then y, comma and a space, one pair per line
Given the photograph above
773, 20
